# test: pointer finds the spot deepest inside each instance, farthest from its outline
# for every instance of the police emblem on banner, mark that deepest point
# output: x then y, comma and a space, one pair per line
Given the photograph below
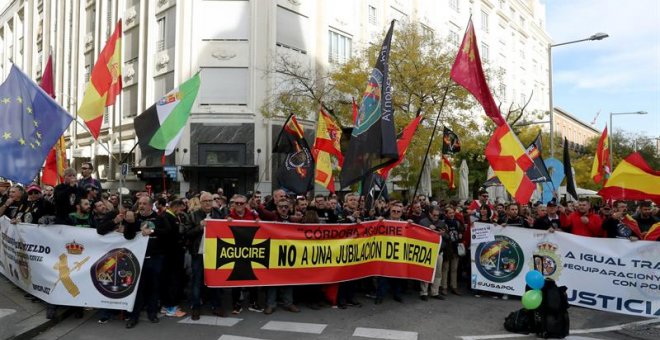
547, 261
116, 273
500, 260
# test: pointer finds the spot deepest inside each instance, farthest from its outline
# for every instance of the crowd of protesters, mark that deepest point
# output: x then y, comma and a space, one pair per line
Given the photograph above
173, 267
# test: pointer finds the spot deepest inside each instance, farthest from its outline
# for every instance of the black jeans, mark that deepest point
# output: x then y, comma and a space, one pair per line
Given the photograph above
149, 287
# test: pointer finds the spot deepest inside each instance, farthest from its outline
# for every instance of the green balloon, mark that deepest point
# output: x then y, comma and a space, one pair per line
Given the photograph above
532, 299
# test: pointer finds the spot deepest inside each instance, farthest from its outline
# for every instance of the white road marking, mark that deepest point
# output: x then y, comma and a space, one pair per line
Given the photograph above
378, 333
212, 321
5, 312
573, 331
235, 337
298, 327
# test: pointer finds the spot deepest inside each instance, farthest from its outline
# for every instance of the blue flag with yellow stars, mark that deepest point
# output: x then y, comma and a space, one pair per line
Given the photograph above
30, 124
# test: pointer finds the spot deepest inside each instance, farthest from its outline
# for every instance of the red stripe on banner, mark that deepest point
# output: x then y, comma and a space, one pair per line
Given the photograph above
296, 231
322, 275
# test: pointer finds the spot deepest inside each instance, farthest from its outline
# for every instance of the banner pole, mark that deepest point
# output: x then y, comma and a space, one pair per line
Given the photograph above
428, 148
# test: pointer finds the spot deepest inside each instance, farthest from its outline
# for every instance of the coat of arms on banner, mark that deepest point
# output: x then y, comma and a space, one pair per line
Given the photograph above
547, 261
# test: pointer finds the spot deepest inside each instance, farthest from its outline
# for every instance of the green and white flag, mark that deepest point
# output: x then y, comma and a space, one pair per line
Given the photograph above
161, 125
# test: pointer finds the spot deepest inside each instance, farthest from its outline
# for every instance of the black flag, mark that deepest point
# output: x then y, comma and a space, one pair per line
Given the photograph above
296, 174
373, 140
450, 142
568, 172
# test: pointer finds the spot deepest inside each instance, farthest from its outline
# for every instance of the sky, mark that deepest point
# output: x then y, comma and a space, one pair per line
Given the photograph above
618, 74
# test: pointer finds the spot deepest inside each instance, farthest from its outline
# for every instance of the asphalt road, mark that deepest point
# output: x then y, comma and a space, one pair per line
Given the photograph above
458, 317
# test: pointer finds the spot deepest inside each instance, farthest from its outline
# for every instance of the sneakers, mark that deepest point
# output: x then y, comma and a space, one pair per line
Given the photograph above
505, 297
292, 308
255, 308
103, 320
174, 312
237, 310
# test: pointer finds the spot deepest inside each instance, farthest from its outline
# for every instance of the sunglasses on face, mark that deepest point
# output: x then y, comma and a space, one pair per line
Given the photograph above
239, 203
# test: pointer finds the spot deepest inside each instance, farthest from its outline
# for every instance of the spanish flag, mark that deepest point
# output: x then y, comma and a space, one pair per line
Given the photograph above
468, 72
53, 172
633, 179
328, 135
509, 160
447, 172
104, 83
654, 233
402, 143
601, 167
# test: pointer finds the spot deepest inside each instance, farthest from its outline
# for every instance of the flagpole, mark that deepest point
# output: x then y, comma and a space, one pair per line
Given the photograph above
95, 140
428, 148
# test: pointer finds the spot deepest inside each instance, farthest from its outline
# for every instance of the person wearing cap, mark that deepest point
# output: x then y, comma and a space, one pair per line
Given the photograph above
483, 199
552, 215
86, 171
37, 206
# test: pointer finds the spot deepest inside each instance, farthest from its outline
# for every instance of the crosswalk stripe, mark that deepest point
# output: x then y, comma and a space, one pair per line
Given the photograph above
298, 327
212, 321
378, 333
236, 337
5, 312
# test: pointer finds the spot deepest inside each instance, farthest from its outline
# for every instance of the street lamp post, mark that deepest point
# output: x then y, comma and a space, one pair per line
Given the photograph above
597, 36
612, 130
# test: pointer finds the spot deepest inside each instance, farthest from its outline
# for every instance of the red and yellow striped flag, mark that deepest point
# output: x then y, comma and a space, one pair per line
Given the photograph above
104, 83
601, 168
654, 233
633, 179
510, 162
328, 135
447, 172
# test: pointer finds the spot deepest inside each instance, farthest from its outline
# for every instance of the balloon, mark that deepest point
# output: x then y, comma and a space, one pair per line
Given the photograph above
534, 279
532, 299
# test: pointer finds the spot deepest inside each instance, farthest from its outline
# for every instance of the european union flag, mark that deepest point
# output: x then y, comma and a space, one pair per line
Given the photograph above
30, 124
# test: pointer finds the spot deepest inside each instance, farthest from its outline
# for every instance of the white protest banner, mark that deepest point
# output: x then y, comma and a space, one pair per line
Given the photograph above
72, 266
614, 275
481, 232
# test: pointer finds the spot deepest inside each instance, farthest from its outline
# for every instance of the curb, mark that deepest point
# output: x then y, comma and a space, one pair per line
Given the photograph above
37, 323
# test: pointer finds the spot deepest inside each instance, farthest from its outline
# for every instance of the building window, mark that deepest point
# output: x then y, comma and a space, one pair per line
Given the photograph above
339, 47
502, 92
222, 154
163, 84
291, 30
132, 46
224, 86
373, 19
453, 4
453, 38
160, 43
484, 21
235, 23
427, 31
522, 21
130, 101
484, 51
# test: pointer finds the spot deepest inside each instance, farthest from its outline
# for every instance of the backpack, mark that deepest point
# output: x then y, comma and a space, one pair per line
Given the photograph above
519, 321
551, 319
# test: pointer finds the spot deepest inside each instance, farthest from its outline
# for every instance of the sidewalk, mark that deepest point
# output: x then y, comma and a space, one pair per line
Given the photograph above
20, 317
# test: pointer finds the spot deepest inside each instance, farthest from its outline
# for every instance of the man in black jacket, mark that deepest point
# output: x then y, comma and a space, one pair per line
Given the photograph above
148, 223
193, 234
66, 195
